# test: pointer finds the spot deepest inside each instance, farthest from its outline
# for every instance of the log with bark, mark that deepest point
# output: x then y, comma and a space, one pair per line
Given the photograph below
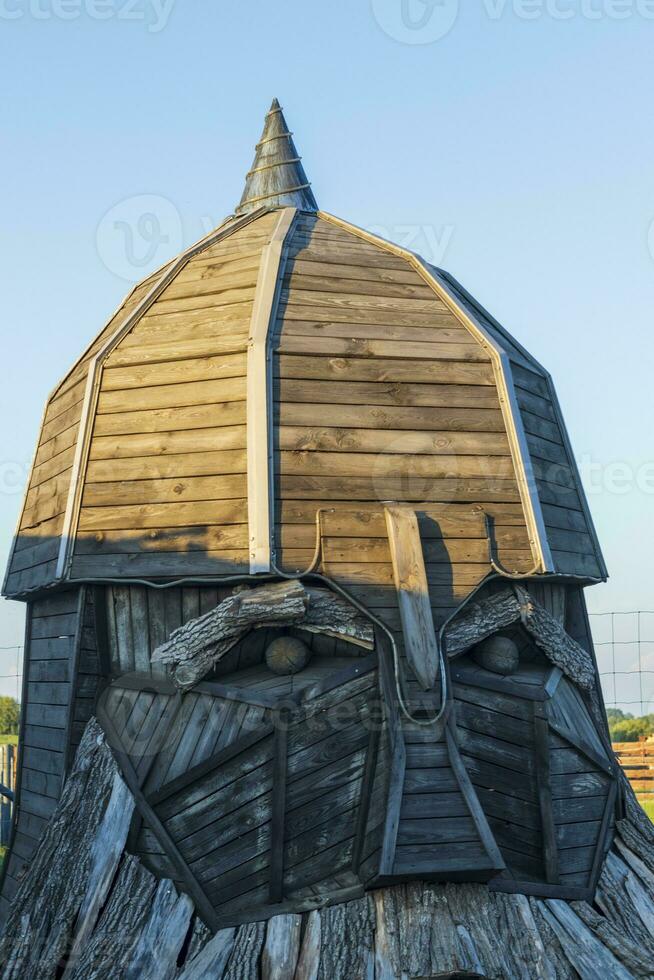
513, 605
87, 910
193, 650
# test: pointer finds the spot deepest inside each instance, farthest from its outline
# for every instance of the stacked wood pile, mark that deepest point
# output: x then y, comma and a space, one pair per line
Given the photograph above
637, 760
87, 910
8, 761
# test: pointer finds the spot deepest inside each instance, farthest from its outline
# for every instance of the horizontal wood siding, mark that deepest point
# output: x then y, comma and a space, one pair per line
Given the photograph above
557, 484
381, 394
165, 486
37, 544
53, 638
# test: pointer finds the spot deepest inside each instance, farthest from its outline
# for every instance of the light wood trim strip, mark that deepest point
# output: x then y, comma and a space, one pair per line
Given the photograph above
259, 389
94, 378
504, 380
420, 644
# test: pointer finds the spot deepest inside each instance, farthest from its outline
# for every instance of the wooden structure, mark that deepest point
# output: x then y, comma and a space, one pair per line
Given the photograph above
637, 760
298, 429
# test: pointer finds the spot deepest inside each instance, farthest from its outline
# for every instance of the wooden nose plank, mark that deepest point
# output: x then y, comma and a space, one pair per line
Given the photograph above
410, 579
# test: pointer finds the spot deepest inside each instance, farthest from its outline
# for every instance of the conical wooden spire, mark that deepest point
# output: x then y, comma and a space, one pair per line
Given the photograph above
277, 178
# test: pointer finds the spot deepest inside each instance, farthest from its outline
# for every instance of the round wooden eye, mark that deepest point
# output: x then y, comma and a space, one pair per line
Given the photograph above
499, 654
287, 655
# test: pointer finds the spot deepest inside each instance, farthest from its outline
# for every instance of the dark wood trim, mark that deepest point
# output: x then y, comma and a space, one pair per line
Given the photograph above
208, 765
569, 736
537, 889
73, 680
502, 686
137, 819
472, 800
393, 804
544, 784
186, 876
241, 694
387, 683
359, 668
370, 769
278, 819
138, 681
21, 743
264, 912
602, 838
102, 635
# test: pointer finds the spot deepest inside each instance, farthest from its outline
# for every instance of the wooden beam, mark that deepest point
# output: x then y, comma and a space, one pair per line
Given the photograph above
410, 576
603, 841
208, 765
367, 782
186, 876
472, 800
544, 783
73, 678
259, 393
393, 806
280, 764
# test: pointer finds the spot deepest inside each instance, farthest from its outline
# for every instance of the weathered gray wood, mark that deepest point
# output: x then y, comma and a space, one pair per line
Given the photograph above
544, 783
589, 957
309, 960
154, 956
41, 920
514, 605
105, 856
192, 649
150, 817
210, 963
282, 947
245, 958
278, 807
420, 643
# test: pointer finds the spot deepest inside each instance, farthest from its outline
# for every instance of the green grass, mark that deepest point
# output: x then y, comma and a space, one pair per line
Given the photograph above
8, 739
647, 803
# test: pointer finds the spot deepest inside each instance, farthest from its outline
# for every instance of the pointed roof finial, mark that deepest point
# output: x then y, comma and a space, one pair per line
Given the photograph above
277, 178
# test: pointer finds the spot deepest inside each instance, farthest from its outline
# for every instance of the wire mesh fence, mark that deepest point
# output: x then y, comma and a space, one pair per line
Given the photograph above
624, 643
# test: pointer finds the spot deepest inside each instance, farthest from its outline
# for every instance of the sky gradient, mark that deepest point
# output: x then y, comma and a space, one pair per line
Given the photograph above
509, 142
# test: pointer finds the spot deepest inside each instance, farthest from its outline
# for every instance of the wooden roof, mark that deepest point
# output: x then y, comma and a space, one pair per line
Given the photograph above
371, 375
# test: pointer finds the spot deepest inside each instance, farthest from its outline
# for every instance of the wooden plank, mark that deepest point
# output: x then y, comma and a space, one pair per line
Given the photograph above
180, 466
484, 833
172, 515
410, 578
458, 406
153, 490
544, 783
385, 370
396, 441
278, 815
147, 444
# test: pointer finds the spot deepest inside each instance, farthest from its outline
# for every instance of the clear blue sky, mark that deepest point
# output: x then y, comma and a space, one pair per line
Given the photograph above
516, 147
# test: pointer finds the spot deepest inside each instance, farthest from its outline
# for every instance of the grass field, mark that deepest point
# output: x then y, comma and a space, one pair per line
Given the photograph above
647, 803
8, 739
